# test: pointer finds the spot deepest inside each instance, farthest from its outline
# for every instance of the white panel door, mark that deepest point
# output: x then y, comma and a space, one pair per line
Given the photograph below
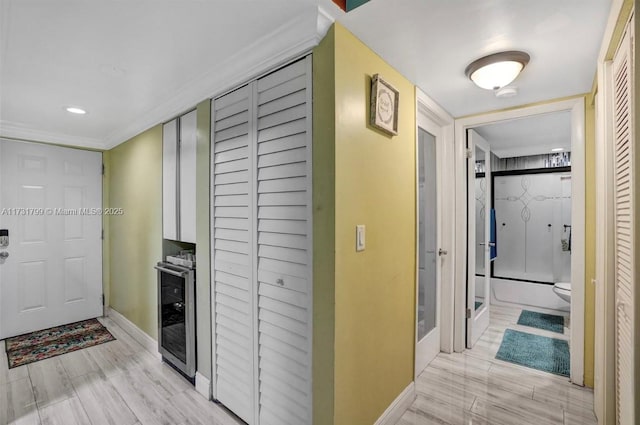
284, 245
233, 253
478, 235
187, 202
428, 293
50, 201
624, 222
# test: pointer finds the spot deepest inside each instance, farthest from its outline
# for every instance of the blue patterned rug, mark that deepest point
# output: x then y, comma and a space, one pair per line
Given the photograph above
535, 351
548, 322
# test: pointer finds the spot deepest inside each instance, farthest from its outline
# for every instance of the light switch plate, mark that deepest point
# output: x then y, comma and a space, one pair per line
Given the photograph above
360, 237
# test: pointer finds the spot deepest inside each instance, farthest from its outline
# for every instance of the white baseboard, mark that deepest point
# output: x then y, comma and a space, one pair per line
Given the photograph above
203, 385
397, 408
150, 344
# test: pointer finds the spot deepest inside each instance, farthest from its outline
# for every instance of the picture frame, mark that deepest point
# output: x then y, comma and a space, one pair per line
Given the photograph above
384, 106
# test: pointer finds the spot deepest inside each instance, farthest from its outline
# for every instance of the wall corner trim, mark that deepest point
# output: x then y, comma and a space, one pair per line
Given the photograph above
324, 22
397, 408
203, 385
149, 344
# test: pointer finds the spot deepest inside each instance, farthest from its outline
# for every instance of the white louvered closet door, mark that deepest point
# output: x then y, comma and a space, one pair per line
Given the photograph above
262, 247
624, 171
284, 245
233, 243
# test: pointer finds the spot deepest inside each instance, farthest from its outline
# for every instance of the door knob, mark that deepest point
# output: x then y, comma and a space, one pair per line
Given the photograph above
4, 255
442, 252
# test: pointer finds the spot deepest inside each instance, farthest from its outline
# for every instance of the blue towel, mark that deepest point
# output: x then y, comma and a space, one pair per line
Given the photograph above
493, 251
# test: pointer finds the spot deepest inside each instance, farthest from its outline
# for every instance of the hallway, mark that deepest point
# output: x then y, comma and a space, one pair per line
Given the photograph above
118, 382
475, 388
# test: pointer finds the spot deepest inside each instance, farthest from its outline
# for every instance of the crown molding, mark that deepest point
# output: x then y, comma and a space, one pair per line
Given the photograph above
11, 130
282, 45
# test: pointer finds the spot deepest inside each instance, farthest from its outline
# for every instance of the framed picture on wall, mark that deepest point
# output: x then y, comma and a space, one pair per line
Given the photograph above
384, 105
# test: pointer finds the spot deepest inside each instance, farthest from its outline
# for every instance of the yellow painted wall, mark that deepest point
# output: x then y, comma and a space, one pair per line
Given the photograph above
324, 188
203, 271
374, 185
134, 243
590, 242
135, 238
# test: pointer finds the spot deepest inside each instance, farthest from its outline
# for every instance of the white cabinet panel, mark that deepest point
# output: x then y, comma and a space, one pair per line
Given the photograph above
169, 180
187, 205
179, 142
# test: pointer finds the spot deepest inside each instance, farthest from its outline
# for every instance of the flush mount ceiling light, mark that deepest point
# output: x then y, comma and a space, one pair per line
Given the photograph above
557, 149
496, 71
75, 110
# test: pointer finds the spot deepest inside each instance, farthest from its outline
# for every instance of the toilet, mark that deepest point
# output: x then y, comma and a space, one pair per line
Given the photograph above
563, 290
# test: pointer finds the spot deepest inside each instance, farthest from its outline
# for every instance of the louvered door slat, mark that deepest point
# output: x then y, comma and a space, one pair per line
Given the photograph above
283, 249
232, 250
624, 202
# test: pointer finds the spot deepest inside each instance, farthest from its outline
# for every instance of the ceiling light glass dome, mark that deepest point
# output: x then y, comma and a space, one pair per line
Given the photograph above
496, 71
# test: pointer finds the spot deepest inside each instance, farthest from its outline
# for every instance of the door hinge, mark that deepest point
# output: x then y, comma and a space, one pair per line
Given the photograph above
468, 313
102, 299
469, 153
103, 169
102, 234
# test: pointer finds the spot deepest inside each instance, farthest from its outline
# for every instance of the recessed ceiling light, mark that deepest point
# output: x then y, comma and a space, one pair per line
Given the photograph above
75, 110
557, 149
496, 71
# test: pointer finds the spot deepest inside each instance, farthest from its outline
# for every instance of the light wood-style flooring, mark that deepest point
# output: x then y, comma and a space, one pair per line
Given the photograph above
475, 388
119, 383
116, 383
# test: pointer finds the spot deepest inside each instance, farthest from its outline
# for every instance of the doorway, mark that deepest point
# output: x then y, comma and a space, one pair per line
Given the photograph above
434, 239
575, 109
51, 209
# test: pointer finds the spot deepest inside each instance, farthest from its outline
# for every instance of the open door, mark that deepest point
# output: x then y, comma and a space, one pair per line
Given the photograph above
480, 243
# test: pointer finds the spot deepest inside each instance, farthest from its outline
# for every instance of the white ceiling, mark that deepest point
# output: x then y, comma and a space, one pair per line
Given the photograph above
133, 64
533, 135
432, 42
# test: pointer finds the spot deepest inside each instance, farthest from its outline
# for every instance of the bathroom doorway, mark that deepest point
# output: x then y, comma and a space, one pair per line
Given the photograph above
528, 234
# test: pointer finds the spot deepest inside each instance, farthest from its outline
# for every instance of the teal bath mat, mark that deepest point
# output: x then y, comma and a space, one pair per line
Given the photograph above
548, 322
535, 351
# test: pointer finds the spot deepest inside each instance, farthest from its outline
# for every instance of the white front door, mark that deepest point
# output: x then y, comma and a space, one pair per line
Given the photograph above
50, 203
479, 241
430, 256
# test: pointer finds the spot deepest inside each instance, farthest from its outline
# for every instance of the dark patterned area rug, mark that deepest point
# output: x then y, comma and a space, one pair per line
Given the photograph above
40, 345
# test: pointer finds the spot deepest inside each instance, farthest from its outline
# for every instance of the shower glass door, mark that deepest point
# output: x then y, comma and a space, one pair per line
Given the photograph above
429, 255
478, 237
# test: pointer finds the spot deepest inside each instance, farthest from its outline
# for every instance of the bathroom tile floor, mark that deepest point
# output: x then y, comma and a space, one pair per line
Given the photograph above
474, 388
118, 382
